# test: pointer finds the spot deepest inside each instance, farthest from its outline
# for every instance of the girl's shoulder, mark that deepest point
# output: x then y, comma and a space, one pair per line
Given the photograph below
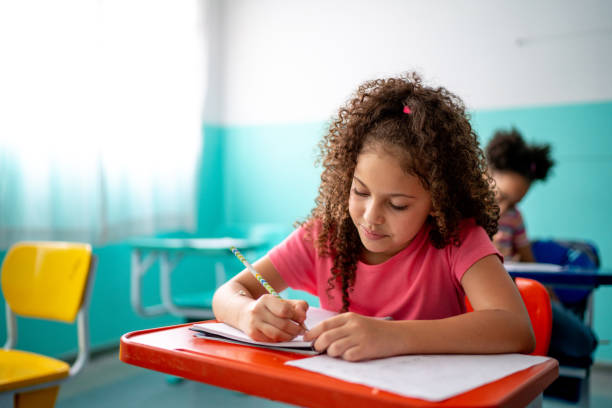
474, 244
309, 230
470, 233
306, 235
299, 244
467, 225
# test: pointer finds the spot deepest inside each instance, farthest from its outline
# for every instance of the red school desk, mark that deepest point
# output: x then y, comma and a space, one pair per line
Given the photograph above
261, 372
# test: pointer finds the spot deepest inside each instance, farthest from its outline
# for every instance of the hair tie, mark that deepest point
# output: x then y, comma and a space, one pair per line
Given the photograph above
407, 110
533, 167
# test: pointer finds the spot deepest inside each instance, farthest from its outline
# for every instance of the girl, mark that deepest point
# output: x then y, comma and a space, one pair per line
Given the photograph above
514, 166
401, 228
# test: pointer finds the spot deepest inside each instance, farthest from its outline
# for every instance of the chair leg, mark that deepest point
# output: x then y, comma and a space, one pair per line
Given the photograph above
585, 394
7, 399
42, 398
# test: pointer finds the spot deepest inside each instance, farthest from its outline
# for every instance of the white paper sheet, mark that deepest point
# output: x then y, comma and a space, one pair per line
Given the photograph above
429, 377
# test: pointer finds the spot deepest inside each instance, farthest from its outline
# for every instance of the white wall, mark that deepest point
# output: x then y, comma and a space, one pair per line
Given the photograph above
297, 61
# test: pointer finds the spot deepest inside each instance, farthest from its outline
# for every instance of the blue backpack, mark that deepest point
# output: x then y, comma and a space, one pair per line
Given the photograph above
580, 254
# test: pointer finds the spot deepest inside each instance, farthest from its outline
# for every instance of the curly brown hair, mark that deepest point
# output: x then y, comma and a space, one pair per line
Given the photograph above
440, 147
508, 151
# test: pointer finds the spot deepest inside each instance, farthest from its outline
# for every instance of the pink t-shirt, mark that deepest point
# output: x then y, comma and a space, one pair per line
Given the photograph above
418, 283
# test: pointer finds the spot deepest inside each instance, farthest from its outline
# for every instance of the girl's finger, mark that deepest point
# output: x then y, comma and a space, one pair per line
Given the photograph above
277, 306
354, 353
327, 338
287, 326
300, 307
323, 327
273, 333
283, 315
339, 347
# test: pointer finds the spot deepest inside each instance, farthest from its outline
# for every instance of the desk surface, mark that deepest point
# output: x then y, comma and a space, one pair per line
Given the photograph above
577, 277
194, 244
260, 372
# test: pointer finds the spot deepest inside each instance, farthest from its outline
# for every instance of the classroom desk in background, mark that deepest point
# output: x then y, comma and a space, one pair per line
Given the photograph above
564, 277
169, 252
261, 372
579, 278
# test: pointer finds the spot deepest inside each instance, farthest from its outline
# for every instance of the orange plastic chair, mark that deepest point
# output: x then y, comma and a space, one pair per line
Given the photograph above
50, 281
537, 301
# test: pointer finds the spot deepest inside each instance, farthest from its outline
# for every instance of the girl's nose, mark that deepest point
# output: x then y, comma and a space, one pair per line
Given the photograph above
373, 214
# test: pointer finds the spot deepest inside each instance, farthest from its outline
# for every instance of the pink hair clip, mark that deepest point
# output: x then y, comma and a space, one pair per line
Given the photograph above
407, 110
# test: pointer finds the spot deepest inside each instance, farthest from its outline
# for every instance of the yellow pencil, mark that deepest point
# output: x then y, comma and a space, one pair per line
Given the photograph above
257, 276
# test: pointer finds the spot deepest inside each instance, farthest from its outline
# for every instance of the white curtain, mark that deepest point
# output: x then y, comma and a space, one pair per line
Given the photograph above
100, 117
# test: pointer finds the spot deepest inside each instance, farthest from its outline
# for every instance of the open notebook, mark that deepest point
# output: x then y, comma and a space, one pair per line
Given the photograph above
226, 333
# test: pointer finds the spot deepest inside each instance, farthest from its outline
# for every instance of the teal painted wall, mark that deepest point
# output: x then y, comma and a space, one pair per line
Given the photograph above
270, 177
210, 182
269, 172
111, 310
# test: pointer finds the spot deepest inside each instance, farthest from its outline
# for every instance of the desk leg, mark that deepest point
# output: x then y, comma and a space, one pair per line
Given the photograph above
537, 402
139, 268
588, 314
166, 267
220, 277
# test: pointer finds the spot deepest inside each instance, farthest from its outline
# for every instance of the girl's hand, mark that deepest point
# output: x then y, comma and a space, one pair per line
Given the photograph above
353, 337
272, 319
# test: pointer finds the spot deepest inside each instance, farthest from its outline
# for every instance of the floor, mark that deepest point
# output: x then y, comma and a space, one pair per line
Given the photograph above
107, 382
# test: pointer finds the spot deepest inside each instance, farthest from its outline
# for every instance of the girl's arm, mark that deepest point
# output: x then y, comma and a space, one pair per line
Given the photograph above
244, 303
525, 254
499, 324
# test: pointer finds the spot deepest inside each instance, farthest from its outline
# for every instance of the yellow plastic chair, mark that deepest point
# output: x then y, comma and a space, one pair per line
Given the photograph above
50, 281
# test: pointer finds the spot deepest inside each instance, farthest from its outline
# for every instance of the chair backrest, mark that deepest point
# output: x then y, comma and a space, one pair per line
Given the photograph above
537, 302
51, 281
46, 280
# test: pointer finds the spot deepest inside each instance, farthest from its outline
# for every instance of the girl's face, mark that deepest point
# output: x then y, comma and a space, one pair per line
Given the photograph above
510, 188
387, 206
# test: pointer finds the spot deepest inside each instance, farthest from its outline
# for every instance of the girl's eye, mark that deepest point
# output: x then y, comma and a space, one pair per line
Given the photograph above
359, 193
398, 207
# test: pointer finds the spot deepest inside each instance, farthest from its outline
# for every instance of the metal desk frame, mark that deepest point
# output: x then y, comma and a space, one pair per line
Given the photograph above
169, 252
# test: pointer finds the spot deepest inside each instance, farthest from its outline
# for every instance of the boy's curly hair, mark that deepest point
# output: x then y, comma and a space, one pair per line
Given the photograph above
507, 151
441, 149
